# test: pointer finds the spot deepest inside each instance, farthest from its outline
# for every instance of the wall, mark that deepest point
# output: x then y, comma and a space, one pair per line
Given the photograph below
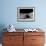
8, 13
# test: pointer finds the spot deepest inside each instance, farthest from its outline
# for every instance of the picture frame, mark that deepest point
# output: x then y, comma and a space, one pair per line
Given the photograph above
26, 14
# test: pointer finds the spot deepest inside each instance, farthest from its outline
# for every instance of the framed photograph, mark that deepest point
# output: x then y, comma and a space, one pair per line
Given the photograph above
26, 14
